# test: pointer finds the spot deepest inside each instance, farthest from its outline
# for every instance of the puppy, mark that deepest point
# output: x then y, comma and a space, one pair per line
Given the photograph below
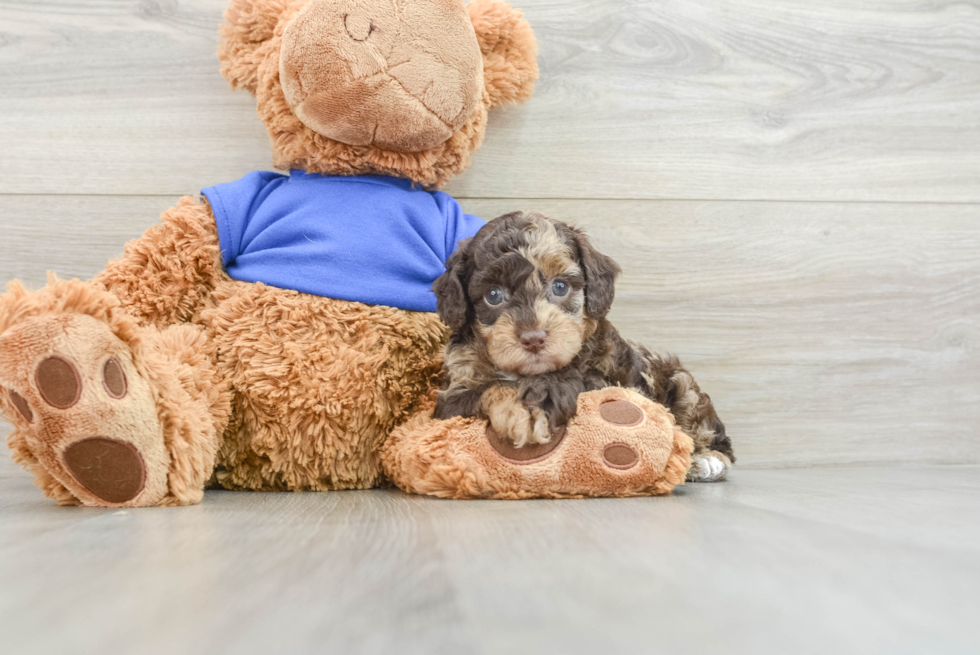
526, 299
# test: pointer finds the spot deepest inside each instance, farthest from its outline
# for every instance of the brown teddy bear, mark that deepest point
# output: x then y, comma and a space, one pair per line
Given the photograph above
271, 334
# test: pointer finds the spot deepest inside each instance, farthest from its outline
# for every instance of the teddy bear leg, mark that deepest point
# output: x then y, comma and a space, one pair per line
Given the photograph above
105, 413
318, 385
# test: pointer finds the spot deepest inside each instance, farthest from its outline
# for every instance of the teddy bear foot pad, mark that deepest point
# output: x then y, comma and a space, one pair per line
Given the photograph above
90, 417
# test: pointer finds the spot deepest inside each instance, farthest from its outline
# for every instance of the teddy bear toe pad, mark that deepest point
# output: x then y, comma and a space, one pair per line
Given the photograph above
621, 412
620, 456
21, 405
527, 454
58, 382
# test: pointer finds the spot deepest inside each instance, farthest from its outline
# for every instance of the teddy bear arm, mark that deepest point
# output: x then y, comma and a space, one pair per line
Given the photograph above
165, 276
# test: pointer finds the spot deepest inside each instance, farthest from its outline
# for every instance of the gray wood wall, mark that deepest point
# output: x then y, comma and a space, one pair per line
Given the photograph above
792, 188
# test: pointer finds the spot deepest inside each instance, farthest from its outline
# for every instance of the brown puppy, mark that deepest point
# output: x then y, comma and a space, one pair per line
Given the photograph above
526, 299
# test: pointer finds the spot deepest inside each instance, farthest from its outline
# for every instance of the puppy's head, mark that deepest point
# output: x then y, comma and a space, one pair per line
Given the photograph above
531, 288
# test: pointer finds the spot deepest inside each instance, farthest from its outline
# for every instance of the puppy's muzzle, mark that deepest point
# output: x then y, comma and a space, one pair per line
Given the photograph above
534, 341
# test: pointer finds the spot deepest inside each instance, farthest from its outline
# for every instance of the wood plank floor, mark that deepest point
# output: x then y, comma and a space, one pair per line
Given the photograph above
835, 560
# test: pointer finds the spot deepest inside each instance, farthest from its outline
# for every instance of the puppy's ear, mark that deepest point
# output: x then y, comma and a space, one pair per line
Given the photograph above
249, 26
510, 51
452, 301
600, 277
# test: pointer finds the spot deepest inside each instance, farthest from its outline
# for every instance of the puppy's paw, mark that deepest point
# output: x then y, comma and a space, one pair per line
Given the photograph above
552, 400
540, 427
511, 418
710, 466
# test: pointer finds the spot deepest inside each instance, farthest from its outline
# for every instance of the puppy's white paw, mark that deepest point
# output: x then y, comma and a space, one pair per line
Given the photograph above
508, 415
540, 431
707, 468
512, 419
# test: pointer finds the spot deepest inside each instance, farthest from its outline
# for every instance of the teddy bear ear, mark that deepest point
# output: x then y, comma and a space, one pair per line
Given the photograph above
249, 24
509, 48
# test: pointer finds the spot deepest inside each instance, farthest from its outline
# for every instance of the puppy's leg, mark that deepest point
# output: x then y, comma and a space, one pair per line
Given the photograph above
554, 395
672, 385
511, 418
502, 405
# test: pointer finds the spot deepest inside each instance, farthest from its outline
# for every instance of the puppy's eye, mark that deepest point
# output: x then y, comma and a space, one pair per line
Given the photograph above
559, 288
494, 296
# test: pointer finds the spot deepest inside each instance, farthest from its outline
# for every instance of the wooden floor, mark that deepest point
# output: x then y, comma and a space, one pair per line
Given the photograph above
793, 191
829, 560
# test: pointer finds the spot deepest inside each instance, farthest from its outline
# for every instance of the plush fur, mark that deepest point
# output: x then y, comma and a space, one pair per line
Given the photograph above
401, 78
527, 299
236, 384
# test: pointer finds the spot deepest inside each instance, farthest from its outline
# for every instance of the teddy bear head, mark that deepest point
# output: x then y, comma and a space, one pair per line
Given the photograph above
393, 87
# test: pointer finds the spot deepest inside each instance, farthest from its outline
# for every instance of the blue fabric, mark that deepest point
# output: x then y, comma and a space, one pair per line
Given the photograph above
369, 238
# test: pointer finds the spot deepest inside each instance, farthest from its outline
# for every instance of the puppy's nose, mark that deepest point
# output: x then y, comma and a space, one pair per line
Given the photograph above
533, 340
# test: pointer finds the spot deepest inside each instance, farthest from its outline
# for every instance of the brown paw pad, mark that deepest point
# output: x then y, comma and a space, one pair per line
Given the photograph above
58, 382
111, 469
620, 456
22, 405
114, 379
527, 454
621, 412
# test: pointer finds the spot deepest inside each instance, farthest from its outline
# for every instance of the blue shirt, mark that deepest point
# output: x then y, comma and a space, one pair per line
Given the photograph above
370, 238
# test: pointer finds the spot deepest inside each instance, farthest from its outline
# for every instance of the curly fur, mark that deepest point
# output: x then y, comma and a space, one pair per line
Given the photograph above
168, 274
318, 384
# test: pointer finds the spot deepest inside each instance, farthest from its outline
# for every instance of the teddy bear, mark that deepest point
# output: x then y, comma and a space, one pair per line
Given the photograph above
240, 342
272, 332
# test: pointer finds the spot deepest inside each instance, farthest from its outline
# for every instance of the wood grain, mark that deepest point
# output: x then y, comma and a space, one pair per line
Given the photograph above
826, 333
746, 99
877, 560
